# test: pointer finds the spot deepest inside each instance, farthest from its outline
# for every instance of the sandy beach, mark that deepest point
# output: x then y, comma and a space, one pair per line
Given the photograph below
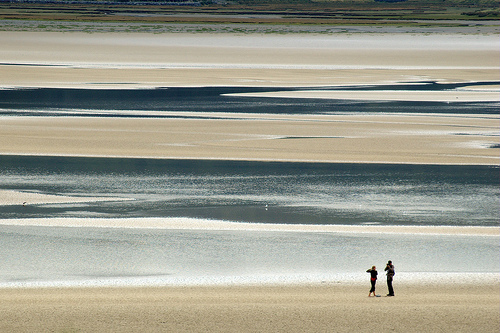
118, 61
315, 308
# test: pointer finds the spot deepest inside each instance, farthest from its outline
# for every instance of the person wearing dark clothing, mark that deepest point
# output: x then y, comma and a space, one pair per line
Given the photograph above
373, 279
389, 268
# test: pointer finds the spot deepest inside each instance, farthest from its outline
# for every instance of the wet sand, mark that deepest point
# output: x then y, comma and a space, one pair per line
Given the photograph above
400, 138
335, 307
11, 197
472, 95
107, 60
125, 60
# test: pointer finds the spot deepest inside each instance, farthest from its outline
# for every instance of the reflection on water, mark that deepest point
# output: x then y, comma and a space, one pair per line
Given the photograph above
308, 193
266, 192
81, 102
55, 256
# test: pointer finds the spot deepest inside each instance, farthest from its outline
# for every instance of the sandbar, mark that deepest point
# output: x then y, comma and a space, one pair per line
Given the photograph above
355, 138
473, 95
26, 198
206, 224
112, 60
138, 60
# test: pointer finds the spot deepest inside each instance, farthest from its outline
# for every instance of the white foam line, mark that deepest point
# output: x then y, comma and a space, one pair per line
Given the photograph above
343, 279
175, 223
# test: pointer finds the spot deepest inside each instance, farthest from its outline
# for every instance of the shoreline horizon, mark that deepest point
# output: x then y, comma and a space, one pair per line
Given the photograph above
456, 280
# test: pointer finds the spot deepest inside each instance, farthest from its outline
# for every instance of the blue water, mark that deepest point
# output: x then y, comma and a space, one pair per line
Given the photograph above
287, 193
254, 192
305, 193
36, 102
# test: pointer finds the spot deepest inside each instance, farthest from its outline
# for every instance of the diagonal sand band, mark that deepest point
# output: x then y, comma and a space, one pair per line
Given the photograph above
389, 95
26, 198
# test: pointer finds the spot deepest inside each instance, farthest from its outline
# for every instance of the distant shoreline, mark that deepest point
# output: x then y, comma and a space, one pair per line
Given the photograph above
205, 28
423, 13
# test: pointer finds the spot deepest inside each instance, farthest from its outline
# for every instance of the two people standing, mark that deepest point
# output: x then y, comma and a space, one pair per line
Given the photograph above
389, 268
